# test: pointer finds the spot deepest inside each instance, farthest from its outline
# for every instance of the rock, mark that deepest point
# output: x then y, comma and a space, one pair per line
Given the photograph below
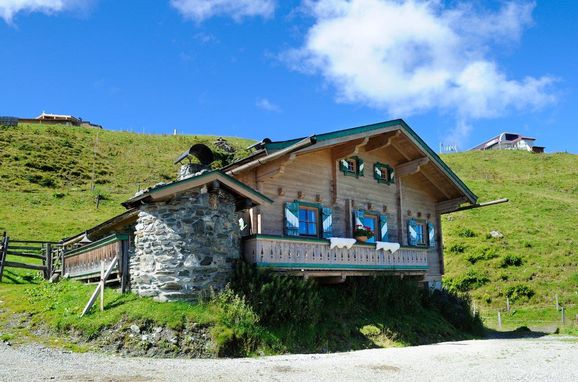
135, 329
496, 234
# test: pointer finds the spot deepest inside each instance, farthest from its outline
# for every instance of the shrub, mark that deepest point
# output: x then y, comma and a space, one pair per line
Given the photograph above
457, 248
485, 253
237, 329
466, 232
520, 291
511, 261
466, 282
456, 309
277, 298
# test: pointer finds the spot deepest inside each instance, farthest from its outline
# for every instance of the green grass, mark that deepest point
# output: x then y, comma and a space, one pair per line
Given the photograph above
46, 174
538, 252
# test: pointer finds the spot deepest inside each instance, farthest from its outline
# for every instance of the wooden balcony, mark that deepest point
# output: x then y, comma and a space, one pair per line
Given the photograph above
306, 255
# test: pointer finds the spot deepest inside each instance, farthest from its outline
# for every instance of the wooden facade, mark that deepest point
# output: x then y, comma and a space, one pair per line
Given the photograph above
421, 188
85, 262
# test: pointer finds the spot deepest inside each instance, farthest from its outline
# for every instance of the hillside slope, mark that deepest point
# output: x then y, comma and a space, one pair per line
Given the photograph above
46, 174
537, 257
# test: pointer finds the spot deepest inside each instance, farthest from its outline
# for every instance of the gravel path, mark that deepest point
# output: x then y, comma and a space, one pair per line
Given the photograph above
543, 359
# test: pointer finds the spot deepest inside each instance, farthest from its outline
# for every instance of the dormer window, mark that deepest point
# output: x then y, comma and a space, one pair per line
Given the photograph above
352, 166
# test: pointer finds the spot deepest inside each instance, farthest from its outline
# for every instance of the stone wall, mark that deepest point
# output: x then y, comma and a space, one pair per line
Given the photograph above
186, 246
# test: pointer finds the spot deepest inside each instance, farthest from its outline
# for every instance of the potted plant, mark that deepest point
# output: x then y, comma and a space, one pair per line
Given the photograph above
362, 233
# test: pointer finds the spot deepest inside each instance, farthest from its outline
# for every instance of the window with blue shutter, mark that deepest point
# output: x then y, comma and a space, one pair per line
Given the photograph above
383, 228
412, 232
292, 219
327, 222
431, 234
358, 218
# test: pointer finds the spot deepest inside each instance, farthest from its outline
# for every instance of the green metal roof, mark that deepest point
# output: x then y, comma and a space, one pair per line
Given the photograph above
206, 174
275, 146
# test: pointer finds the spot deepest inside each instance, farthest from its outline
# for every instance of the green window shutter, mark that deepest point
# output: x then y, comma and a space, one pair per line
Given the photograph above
431, 232
292, 219
377, 170
358, 217
327, 221
412, 232
391, 175
383, 228
360, 166
343, 166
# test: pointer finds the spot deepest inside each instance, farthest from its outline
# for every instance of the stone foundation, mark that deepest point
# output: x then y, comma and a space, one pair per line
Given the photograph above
185, 247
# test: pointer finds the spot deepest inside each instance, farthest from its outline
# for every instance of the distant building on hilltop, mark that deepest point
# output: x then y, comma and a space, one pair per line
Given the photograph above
510, 141
49, 119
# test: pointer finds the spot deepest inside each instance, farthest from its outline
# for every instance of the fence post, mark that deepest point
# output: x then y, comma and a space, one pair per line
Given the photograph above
557, 305
508, 303
563, 315
499, 320
102, 285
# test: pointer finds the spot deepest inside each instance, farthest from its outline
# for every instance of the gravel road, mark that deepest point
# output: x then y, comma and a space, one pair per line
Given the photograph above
543, 359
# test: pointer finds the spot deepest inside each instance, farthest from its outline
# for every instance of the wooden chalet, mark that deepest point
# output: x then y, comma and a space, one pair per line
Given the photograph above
382, 176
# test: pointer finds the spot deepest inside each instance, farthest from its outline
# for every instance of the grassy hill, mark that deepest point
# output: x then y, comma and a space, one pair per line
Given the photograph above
537, 257
46, 175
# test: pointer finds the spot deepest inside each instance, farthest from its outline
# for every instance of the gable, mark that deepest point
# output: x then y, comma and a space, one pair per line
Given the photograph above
411, 156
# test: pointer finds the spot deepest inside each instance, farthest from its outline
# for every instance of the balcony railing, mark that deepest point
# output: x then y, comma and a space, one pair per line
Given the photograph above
289, 253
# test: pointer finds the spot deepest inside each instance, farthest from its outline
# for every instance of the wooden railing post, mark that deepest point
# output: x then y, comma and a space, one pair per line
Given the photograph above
48, 273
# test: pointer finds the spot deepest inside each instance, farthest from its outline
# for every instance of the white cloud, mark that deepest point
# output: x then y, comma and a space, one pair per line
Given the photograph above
200, 10
265, 104
9, 8
412, 56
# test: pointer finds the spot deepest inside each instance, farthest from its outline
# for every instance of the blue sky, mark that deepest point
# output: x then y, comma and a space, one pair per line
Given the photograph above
457, 72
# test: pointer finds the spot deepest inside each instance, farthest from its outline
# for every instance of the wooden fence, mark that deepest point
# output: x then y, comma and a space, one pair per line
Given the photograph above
35, 255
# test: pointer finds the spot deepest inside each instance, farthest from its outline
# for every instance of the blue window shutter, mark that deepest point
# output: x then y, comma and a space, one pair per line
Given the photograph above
412, 232
431, 232
358, 217
383, 228
292, 219
360, 166
327, 221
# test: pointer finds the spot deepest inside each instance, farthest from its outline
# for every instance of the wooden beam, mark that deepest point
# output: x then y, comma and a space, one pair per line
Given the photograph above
348, 150
450, 205
438, 187
411, 167
381, 141
400, 151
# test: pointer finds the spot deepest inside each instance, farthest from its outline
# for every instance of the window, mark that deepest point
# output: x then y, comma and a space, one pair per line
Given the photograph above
383, 173
308, 221
371, 221
420, 230
352, 166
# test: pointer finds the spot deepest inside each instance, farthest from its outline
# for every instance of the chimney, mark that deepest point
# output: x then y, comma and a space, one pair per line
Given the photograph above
203, 154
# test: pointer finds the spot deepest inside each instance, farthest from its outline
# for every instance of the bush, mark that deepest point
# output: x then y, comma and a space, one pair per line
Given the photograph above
511, 261
466, 232
277, 298
237, 331
466, 282
457, 248
518, 292
485, 253
456, 309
